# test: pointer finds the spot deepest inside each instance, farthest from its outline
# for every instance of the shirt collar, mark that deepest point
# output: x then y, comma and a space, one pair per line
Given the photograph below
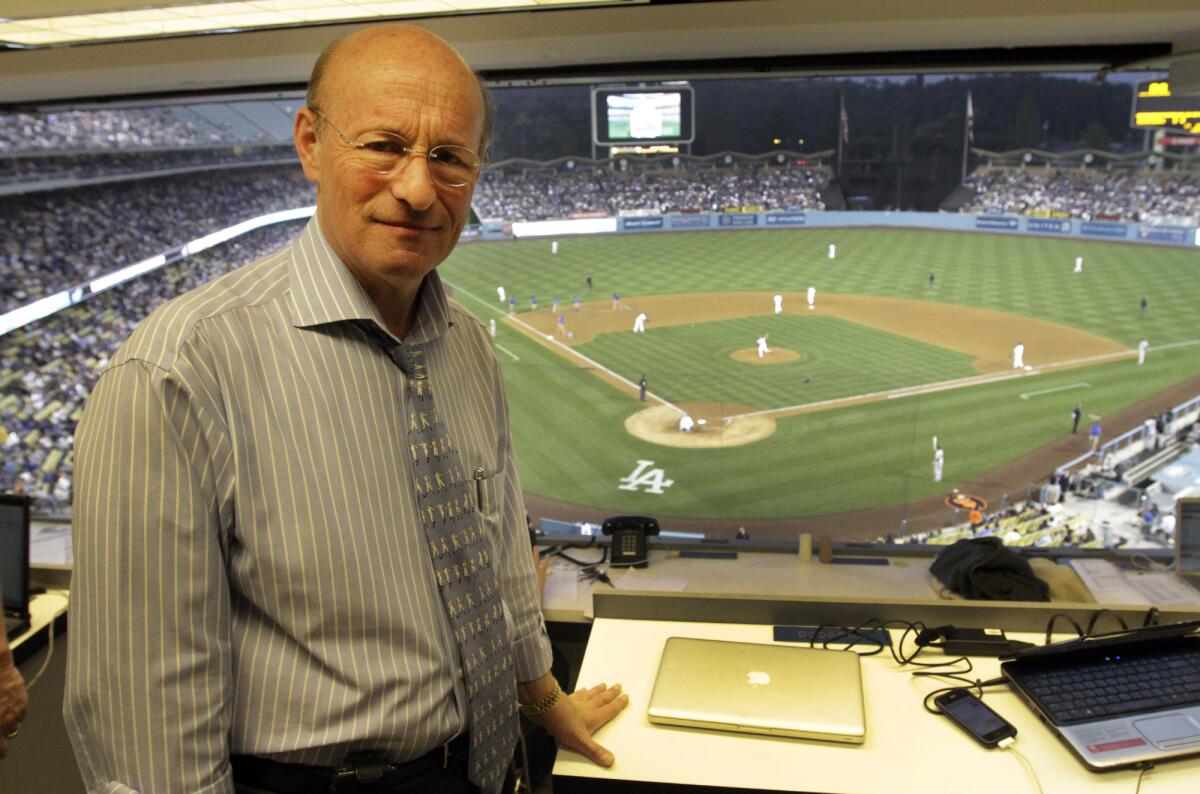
324, 291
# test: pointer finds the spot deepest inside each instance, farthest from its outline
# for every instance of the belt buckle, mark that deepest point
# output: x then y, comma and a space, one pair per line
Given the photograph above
364, 768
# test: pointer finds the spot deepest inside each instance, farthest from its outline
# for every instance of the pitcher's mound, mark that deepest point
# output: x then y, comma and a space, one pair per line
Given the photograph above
778, 355
660, 425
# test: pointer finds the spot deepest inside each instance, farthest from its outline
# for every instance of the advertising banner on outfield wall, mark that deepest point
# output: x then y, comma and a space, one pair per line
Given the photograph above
1164, 234
691, 221
995, 222
729, 219
1103, 229
785, 219
633, 224
1048, 225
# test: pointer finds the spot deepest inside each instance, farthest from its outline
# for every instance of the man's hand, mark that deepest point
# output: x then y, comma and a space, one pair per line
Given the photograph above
576, 717
13, 700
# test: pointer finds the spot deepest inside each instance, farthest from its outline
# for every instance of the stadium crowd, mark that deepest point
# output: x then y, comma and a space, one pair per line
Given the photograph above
124, 128
1169, 197
48, 368
543, 193
50, 241
32, 169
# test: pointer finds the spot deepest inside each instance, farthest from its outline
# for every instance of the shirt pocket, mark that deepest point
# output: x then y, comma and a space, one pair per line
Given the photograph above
487, 499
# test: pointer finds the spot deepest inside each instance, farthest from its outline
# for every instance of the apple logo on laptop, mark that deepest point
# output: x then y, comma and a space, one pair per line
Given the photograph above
758, 678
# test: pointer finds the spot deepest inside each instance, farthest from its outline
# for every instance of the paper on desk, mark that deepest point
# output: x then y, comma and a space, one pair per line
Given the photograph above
562, 584
1108, 583
634, 579
1163, 588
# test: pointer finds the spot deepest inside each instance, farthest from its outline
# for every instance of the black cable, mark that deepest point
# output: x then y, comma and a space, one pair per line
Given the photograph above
1145, 768
1151, 618
1096, 617
1054, 618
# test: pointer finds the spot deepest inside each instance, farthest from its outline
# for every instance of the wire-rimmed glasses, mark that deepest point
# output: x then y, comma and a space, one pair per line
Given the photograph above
381, 151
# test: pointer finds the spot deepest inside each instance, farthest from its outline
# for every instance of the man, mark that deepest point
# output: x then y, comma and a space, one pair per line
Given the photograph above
778, 303
13, 700
642, 388
1079, 264
1143, 345
939, 461
812, 298
639, 323
1018, 355
299, 549
1076, 415
554, 248
1094, 434
932, 279
762, 346
686, 423
500, 293
832, 251
616, 300
554, 304
1145, 304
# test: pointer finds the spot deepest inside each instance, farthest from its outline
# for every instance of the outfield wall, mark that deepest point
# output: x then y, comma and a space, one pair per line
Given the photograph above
1111, 231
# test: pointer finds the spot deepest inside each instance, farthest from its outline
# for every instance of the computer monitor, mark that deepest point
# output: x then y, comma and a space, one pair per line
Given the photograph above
14, 560
1187, 537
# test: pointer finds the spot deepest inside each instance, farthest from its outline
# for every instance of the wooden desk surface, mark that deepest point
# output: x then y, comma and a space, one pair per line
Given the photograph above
907, 749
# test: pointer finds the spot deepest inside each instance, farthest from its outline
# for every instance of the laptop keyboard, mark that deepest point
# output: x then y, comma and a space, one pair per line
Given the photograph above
1091, 691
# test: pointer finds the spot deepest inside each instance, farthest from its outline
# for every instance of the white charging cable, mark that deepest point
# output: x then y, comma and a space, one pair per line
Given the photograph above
1007, 744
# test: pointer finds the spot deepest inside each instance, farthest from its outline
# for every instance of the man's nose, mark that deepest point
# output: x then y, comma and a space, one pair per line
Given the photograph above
412, 181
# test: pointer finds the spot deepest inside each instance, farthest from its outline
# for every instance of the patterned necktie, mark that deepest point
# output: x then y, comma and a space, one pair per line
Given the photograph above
465, 572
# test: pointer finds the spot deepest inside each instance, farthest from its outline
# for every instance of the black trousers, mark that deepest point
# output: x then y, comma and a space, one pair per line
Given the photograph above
439, 771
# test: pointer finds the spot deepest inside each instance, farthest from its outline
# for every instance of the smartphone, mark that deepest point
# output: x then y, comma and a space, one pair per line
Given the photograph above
973, 716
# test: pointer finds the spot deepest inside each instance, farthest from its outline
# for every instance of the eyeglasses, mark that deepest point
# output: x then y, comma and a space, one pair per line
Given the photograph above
381, 152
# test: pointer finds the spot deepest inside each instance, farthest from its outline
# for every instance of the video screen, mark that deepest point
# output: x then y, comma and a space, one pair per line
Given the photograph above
653, 115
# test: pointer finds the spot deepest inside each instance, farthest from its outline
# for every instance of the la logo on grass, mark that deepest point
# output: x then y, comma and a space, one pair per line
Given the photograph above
655, 480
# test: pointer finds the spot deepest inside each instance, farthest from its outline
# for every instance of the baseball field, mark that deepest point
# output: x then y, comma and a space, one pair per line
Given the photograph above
841, 413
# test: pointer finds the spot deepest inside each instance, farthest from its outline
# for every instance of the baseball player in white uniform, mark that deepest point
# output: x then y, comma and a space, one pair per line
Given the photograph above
1018, 356
639, 323
1142, 347
762, 346
939, 460
812, 298
778, 304
1079, 264
492, 327
554, 247
500, 294
686, 423
832, 251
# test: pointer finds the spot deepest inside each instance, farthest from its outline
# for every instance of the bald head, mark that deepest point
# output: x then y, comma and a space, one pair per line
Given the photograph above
403, 43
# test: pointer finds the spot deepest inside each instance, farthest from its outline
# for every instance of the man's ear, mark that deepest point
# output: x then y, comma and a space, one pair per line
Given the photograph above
304, 134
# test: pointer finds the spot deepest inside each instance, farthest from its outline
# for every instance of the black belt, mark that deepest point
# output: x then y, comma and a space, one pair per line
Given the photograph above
364, 772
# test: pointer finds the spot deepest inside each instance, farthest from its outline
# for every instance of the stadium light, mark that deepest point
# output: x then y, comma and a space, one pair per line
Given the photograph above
241, 15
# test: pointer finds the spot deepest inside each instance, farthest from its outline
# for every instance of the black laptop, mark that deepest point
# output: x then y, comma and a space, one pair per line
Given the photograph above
1118, 699
14, 562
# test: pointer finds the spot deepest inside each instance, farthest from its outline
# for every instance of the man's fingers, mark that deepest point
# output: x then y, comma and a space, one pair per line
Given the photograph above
597, 754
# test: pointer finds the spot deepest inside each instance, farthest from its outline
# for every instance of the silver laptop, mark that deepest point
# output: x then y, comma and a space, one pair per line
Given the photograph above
776, 690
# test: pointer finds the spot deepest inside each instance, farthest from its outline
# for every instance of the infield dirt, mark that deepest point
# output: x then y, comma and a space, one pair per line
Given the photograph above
985, 335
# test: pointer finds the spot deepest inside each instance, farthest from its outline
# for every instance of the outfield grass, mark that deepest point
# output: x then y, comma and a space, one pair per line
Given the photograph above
568, 424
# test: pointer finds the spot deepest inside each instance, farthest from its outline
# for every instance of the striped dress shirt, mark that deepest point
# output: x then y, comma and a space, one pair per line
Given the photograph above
251, 574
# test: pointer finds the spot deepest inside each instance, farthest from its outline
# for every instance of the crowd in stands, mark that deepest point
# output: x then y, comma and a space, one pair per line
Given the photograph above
1169, 197
125, 128
543, 193
50, 241
32, 169
47, 369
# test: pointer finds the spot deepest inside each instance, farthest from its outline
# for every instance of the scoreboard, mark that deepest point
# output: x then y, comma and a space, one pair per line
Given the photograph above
1154, 107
